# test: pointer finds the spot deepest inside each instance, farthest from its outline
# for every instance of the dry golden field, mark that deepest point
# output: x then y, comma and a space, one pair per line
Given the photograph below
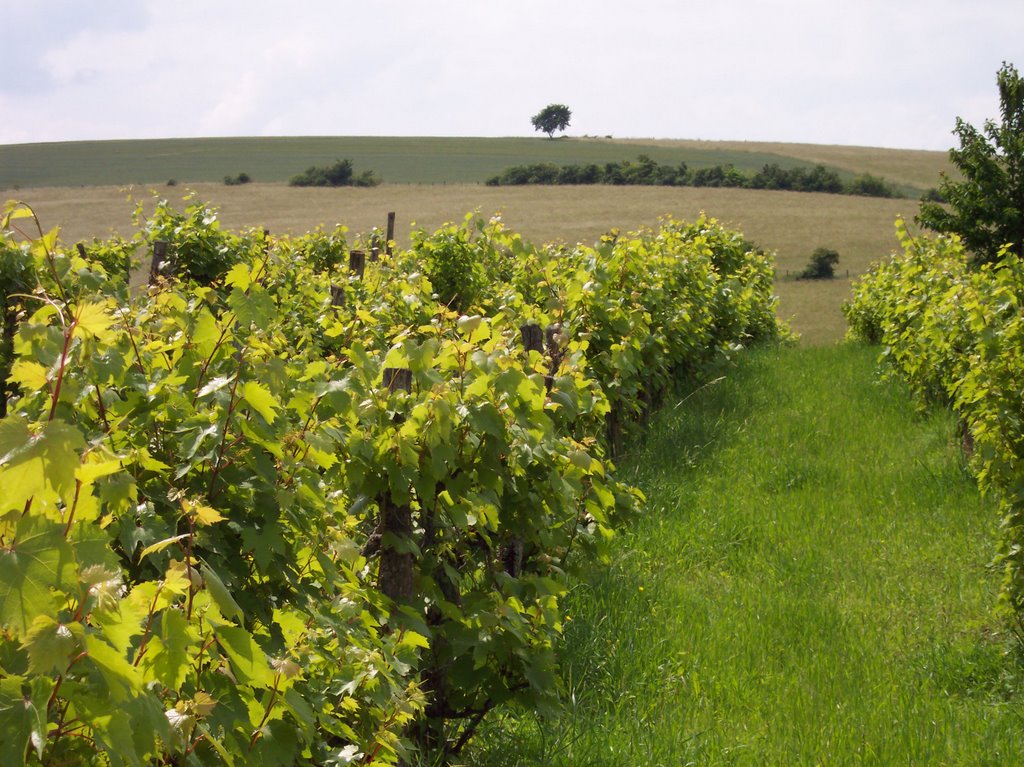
790, 223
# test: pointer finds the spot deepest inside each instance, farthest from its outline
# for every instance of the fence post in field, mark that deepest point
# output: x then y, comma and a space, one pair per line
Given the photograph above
394, 523
357, 263
391, 232
159, 258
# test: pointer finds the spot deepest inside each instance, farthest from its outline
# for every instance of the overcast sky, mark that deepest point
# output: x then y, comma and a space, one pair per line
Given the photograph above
893, 73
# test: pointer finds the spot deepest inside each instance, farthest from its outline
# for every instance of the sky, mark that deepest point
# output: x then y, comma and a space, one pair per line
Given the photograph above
888, 73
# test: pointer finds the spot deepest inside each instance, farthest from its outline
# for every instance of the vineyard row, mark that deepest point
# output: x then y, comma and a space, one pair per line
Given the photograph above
280, 507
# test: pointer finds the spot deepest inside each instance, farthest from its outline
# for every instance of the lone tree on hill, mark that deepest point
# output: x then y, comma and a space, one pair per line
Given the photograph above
987, 208
551, 118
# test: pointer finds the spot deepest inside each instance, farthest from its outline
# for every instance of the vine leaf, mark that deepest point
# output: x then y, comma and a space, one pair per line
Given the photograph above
122, 678
38, 466
94, 321
168, 653
50, 645
221, 595
261, 400
23, 717
248, 660
38, 561
29, 375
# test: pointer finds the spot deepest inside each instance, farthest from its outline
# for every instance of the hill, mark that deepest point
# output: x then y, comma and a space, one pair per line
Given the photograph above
411, 160
80, 187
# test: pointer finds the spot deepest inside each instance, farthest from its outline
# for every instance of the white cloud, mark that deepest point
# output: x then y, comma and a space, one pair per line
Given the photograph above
870, 72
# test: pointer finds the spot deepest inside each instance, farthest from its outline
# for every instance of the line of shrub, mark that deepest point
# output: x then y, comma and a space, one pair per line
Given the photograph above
646, 172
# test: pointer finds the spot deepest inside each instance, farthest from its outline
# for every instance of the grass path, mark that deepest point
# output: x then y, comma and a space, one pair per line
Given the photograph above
809, 585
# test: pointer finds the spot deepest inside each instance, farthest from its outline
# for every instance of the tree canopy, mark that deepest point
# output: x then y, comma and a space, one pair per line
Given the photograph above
551, 118
986, 208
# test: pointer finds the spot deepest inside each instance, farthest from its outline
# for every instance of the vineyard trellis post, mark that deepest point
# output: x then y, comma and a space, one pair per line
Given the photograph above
357, 263
395, 573
156, 265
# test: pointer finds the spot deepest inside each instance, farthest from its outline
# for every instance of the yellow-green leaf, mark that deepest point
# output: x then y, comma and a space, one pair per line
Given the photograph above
93, 319
95, 466
161, 545
37, 465
28, 374
50, 645
239, 276
261, 400
201, 513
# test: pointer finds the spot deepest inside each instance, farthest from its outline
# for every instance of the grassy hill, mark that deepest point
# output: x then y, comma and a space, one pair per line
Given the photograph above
404, 160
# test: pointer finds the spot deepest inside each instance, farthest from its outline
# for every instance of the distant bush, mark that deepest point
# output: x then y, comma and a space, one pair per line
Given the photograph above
934, 195
241, 178
172, 182
872, 186
822, 265
339, 174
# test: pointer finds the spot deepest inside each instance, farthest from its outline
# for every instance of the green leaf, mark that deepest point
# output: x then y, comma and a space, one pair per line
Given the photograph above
23, 717
486, 418
28, 374
94, 321
278, 745
161, 545
413, 639
38, 561
214, 384
167, 657
39, 466
221, 596
16, 719
248, 660
300, 708
41, 688
206, 333
261, 400
51, 645
123, 679
252, 308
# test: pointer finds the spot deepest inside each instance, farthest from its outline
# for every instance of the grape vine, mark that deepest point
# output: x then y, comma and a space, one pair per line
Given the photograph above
232, 533
955, 334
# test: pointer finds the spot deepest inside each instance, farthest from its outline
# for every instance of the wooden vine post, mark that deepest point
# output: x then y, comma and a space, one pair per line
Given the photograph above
357, 263
156, 265
391, 232
337, 295
394, 523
